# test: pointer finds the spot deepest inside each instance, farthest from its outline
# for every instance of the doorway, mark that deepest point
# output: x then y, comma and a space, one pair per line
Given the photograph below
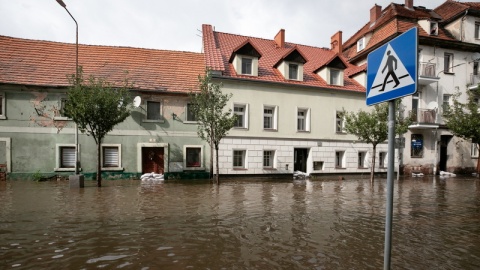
300, 156
444, 140
153, 160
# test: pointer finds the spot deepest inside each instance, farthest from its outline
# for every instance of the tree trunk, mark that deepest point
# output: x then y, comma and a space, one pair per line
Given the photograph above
372, 169
211, 160
216, 164
99, 165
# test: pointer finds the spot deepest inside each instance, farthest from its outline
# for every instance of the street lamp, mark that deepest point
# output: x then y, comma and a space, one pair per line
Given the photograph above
61, 3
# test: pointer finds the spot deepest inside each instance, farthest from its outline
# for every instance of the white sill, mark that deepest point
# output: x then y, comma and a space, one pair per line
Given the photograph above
61, 118
112, 169
66, 169
241, 128
153, 121
2, 117
270, 129
190, 122
194, 168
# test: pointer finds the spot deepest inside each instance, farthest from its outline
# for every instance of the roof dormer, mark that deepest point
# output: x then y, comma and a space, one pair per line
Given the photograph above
430, 26
291, 65
245, 59
333, 71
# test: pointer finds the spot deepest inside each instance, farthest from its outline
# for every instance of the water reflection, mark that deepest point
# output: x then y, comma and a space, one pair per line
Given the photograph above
242, 224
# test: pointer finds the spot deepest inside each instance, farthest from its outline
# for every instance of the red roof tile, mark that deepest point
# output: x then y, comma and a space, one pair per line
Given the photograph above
450, 10
220, 46
45, 63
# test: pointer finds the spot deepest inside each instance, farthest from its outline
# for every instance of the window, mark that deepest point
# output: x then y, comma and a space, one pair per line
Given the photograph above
193, 156
361, 44
111, 156
318, 165
361, 159
446, 103
239, 159
293, 71
339, 123
382, 157
268, 159
475, 68
339, 159
153, 110
474, 150
2, 106
241, 111
416, 149
448, 63
191, 117
477, 30
269, 117
434, 28
303, 119
335, 78
246, 66
65, 157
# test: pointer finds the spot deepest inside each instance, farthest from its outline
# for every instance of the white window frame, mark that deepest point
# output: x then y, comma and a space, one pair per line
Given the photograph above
61, 106
119, 165
476, 30
202, 160
306, 119
474, 150
160, 120
244, 159
186, 114
361, 44
382, 159
433, 28
2, 108
244, 114
238, 62
244, 59
273, 117
340, 121
272, 159
339, 80
296, 73
58, 152
340, 159
319, 163
362, 159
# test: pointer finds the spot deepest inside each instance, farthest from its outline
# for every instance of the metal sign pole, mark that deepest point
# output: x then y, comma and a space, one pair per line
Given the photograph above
390, 176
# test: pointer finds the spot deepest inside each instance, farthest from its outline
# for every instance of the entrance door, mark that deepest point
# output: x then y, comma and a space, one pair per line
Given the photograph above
152, 160
300, 159
444, 139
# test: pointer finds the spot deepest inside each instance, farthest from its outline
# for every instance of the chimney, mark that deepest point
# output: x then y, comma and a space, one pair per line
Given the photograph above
280, 38
409, 4
375, 13
336, 42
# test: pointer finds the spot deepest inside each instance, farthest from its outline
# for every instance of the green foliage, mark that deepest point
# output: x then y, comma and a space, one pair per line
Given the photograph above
37, 176
96, 106
463, 119
372, 127
208, 105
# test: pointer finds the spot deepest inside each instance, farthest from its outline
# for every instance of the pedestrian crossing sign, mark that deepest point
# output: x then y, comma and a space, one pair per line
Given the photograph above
392, 69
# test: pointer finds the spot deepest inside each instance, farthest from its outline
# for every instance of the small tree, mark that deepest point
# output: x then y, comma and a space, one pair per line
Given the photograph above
214, 121
463, 119
372, 127
96, 106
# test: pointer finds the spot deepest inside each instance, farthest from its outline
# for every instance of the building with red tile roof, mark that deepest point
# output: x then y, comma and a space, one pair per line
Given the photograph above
157, 137
449, 46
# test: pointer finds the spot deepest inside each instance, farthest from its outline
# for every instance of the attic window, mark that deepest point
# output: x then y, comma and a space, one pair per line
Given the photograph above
293, 71
336, 76
291, 65
434, 28
247, 66
245, 58
361, 44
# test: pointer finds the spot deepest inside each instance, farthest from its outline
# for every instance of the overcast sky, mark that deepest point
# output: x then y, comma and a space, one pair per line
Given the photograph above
176, 25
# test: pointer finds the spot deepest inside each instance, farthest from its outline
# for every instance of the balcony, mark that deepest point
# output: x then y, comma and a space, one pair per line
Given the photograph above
474, 81
423, 119
427, 73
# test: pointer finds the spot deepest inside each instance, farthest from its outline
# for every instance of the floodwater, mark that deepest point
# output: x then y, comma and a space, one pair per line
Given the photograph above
243, 224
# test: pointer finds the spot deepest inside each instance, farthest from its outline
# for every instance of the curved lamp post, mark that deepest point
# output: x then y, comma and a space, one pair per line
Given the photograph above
61, 3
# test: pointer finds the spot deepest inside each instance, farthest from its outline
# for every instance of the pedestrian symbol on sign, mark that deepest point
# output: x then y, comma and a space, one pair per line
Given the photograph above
391, 74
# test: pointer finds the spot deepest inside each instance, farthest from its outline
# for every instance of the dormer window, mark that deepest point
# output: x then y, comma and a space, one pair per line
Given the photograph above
361, 44
291, 65
247, 66
333, 72
336, 76
434, 28
245, 59
293, 71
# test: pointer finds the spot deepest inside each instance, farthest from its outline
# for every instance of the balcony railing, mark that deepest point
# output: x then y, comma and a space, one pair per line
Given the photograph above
424, 116
427, 70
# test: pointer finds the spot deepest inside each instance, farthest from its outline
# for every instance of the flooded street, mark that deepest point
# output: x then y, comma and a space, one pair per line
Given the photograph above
242, 224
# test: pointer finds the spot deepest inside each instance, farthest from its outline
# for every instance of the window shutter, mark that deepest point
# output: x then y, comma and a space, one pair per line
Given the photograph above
67, 157
110, 157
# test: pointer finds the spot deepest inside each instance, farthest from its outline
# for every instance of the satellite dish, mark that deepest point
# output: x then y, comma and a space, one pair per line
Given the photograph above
476, 56
137, 101
432, 105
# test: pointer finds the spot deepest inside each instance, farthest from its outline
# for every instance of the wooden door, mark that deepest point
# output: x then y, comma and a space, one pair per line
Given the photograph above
152, 160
